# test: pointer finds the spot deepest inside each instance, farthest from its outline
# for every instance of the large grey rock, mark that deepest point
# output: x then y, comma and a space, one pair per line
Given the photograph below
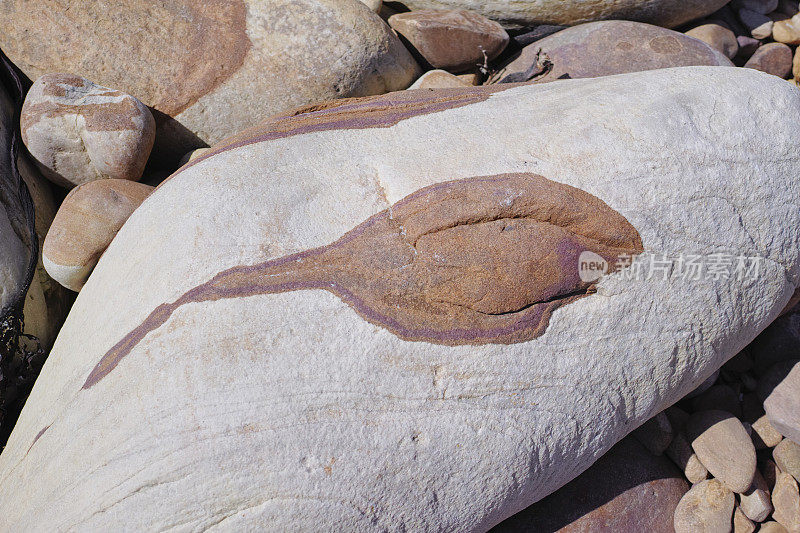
668, 13
612, 47
238, 405
228, 64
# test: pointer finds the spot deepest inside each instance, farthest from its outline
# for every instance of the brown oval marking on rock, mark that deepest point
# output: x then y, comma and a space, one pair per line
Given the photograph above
467, 262
185, 48
380, 111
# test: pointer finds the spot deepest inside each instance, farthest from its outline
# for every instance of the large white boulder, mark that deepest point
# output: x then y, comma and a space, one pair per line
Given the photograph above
187, 391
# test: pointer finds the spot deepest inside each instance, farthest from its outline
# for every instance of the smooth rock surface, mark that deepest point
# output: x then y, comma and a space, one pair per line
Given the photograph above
78, 131
766, 433
667, 13
787, 31
742, 524
355, 417
718, 37
783, 405
724, 447
86, 223
772, 58
453, 40
786, 500
626, 482
438, 79
787, 457
235, 62
707, 507
613, 47
755, 502
772, 527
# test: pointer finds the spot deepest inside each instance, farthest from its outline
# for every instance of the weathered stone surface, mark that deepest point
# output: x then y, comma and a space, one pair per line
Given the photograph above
626, 482
438, 79
786, 500
85, 225
78, 131
787, 457
456, 431
452, 40
234, 63
772, 58
707, 507
718, 37
783, 405
668, 13
606, 48
724, 447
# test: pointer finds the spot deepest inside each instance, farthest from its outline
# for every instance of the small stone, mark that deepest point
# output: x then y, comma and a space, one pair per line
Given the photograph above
471, 78
437, 79
772, 58
724, 447
758, 24
759, 6
747, 47
707, 507
191, 156
680, 451
374, 5
772, 527
786, 500
787, 31
454, 40
783, 405
86, 223
764, 434
749, 383
78, 131
756, 503
717, 37
718, 397
656, 434
742, 524
787, 457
